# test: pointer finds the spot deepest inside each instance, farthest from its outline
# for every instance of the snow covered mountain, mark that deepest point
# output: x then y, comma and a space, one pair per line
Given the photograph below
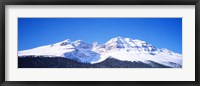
123, 49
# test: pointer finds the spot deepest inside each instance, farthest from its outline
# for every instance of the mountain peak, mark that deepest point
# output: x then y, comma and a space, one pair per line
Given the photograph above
123, 39
78, 41
119, 37
128, 43
63, 43
67, 40
81, 44
116, 40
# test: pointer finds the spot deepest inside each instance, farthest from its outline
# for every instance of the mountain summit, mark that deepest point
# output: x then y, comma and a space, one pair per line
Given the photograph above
123, 49
128, 43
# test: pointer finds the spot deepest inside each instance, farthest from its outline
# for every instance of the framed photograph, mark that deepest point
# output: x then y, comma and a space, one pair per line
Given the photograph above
112, 42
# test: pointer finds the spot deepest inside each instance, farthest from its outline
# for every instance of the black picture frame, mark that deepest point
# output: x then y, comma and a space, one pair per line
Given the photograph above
99, 2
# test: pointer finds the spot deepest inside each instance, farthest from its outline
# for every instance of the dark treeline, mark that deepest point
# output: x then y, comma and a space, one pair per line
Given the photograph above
59, 62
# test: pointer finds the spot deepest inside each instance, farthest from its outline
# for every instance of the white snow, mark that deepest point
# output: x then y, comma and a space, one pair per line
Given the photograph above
125, 49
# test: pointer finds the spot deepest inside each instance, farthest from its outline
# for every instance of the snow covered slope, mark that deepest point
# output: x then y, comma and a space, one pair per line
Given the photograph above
77, 50
124, 49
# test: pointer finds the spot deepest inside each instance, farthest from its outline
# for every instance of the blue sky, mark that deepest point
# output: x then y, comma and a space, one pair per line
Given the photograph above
160, 32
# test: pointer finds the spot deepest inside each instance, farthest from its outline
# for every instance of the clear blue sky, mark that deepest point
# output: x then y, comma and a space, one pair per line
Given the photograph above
160, 32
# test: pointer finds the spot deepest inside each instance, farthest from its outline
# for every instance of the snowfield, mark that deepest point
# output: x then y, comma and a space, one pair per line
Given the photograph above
123, 49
